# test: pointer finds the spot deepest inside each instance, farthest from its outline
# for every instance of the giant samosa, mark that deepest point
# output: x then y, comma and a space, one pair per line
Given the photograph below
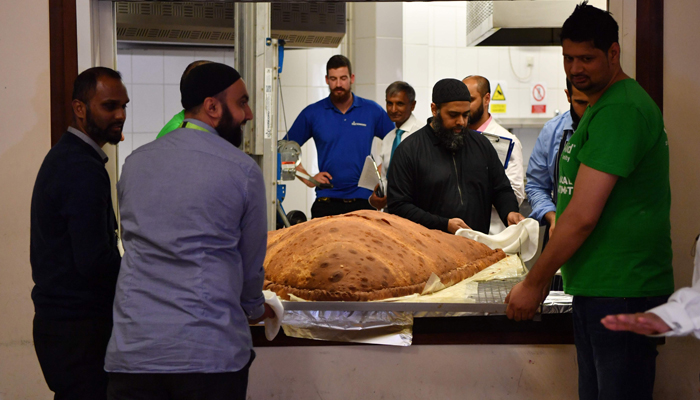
367, 255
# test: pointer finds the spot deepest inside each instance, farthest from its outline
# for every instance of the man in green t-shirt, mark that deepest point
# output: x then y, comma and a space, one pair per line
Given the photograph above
177, 120
613, 239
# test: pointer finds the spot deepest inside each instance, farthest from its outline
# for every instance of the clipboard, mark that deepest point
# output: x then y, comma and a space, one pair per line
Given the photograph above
503, 145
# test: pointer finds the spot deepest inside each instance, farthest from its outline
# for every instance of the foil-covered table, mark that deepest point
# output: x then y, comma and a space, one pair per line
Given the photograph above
390, 323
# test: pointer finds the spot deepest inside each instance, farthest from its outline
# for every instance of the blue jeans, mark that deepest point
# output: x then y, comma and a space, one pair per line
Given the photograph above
613, 365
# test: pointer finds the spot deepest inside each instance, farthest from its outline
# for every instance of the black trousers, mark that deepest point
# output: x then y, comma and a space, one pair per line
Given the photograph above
188, 386
72, 357
613, 365
324, 206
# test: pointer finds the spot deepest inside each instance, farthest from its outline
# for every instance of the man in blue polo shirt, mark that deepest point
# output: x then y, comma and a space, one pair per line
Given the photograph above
343, 126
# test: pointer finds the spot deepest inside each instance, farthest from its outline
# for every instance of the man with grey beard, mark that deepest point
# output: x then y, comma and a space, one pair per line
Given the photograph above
446, 176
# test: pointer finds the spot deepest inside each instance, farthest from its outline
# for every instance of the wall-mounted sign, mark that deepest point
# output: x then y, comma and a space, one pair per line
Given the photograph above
498, 97
539, 98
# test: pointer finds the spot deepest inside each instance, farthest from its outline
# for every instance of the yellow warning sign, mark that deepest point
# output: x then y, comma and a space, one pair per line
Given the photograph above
498, 108
498, 94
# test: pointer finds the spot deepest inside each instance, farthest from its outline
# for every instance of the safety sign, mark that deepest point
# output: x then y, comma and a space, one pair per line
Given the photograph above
539, 98
498, 97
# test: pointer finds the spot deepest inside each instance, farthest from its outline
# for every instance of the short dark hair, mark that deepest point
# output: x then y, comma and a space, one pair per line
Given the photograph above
588, 23
482, 84
400, 86
85, 84
338, 61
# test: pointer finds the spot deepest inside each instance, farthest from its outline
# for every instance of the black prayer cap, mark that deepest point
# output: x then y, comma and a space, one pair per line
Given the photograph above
206, 80
450, 89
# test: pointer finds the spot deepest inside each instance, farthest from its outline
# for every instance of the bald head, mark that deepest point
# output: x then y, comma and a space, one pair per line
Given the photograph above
480, 90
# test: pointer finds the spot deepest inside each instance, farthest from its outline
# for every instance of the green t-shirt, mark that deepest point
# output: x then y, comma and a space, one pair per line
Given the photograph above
174, 123
628, 254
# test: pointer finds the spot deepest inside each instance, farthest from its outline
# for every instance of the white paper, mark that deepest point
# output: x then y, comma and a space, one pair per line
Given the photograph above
369, 177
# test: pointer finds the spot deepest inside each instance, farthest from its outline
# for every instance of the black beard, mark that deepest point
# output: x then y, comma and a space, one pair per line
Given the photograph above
228, 129
476, 117
448, 138
574, 117
98, 134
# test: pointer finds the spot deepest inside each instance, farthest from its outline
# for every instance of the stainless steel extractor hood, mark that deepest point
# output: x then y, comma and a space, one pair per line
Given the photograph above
176, 23
517, 22
213, 23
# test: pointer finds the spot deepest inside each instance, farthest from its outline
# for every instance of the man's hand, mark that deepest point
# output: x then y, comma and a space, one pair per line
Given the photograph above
551, 218
641, 323
456, 223
375, 201
523, 300
514, 218
269, 313
323, 177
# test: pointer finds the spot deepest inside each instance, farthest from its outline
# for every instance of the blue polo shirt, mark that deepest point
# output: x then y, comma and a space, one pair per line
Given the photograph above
343, 141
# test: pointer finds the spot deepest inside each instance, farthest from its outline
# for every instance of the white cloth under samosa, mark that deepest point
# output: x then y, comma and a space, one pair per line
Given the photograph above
272, 325
522, 238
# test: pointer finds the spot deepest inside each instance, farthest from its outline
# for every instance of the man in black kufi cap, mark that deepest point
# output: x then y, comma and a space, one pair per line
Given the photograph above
194, 229
446, 176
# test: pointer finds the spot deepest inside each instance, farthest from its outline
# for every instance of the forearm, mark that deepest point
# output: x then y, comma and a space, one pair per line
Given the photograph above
541, 201
416, 214
505, 203
572, 230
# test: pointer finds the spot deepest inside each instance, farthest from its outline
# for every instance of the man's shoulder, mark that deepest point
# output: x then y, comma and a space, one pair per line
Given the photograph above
369, 105
627, 97
558, 123
418, 137
72, 151
412, 125
186, 140
478, 137
316, 108
496, 129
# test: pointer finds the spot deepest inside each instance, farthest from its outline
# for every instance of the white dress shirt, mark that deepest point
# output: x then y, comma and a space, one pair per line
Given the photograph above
411, 125
682, 311
515, 171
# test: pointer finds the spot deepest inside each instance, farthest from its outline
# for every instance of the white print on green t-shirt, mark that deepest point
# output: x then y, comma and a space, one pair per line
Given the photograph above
565, 185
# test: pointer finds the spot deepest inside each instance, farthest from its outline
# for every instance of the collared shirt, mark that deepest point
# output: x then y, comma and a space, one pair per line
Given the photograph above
195, 234
483, 126
343, 141
682, 311
174, 123
85, 138
515, 170
429, 184
409, 126
540, 169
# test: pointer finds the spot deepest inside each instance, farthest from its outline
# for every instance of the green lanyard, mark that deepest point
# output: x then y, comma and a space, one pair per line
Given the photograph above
190, 125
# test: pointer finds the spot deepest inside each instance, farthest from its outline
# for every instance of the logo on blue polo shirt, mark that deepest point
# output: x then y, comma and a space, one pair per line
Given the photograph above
358, 124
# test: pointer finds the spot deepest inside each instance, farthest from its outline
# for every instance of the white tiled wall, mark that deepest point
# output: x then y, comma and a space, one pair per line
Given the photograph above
434, 47
152, 79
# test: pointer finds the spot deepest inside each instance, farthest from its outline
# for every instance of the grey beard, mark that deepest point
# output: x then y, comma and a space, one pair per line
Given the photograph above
448, 139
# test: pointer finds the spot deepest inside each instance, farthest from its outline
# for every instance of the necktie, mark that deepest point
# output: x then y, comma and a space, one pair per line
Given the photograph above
397, 140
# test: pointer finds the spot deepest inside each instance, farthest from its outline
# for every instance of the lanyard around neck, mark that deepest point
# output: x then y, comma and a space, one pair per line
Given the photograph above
190, 125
